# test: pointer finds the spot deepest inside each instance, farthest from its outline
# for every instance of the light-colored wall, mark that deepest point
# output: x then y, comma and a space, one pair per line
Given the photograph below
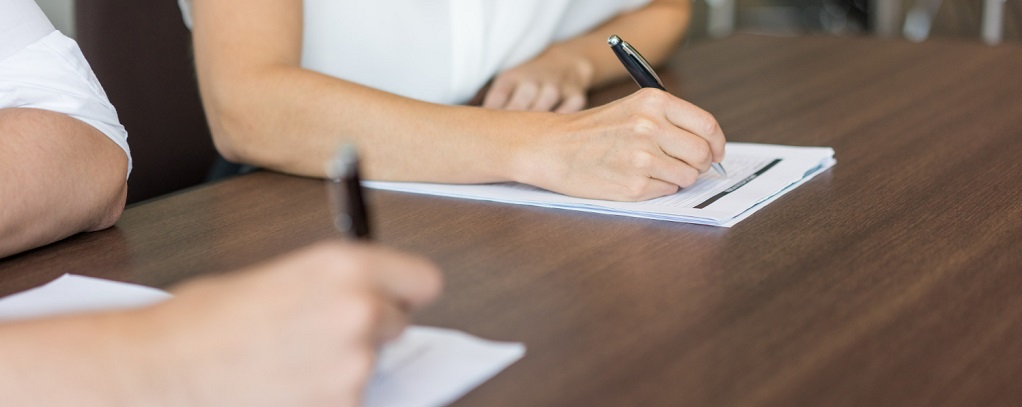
62, 14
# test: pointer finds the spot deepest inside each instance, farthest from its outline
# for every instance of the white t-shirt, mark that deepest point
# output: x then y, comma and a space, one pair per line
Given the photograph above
440, 51
41, 68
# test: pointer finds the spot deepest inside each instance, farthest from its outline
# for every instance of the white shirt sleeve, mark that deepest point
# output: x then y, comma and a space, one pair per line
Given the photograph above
186, 11
52, 74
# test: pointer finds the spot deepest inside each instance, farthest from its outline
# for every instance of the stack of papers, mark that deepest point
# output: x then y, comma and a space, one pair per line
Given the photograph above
425, 367
757, 175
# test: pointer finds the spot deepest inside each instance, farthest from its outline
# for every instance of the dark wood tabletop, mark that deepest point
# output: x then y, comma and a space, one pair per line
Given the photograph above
895, 278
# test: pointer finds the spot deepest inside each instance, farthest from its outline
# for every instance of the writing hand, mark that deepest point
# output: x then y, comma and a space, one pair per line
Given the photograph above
301, 330
640, 147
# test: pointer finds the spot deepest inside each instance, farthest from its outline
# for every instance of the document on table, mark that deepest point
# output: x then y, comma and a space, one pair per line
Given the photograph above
424, 367
757, 175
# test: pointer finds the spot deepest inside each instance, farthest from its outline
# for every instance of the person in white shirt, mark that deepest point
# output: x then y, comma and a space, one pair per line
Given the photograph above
284, 82
301, 330
64, 158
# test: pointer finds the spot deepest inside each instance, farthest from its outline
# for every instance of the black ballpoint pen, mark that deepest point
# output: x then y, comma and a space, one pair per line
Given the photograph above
642, 73
350, 212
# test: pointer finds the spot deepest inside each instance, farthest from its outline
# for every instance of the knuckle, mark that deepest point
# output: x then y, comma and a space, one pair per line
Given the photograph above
643, 126
651, 95
709, 123
573, 91
503, 84
658, 99
547, 98
528, 86
703, 155
688, 177
573, 103
636, 189
641, 160
550, 89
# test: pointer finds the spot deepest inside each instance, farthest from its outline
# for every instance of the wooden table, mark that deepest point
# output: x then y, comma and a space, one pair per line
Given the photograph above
895, 278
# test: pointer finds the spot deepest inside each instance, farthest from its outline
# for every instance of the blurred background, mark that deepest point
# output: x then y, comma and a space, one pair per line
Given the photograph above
916, 20
140, 51
943, 18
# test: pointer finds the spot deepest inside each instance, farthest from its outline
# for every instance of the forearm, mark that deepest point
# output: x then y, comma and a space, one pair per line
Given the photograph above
654, 29
68, 361
291, 119
265, 110
58, 177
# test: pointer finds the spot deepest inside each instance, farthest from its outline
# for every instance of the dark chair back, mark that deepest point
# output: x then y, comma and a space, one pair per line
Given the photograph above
141, 53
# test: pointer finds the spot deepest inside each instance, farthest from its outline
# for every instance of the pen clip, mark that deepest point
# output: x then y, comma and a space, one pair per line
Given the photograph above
642, 61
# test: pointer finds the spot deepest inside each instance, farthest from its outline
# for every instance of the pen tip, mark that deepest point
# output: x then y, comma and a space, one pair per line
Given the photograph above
720, 169
614, 40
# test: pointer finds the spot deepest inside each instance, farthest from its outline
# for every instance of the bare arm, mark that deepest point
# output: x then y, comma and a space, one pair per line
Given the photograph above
58, 176
227, 340
266, 110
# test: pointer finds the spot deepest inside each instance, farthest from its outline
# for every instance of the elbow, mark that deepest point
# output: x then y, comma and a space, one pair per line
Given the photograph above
247, 126
111, 210
235, 127
227, 146
248, 134
108, 198
239, 142
239, 114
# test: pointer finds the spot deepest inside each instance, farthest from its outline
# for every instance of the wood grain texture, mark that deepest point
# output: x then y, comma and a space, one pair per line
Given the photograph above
895, 278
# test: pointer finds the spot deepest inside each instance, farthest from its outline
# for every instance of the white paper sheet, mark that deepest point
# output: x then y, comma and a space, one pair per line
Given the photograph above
425, 367
71, 293
421, 368
757, 175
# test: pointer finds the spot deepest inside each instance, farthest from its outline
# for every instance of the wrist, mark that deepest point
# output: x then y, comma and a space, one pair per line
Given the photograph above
532, 160
144, 358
